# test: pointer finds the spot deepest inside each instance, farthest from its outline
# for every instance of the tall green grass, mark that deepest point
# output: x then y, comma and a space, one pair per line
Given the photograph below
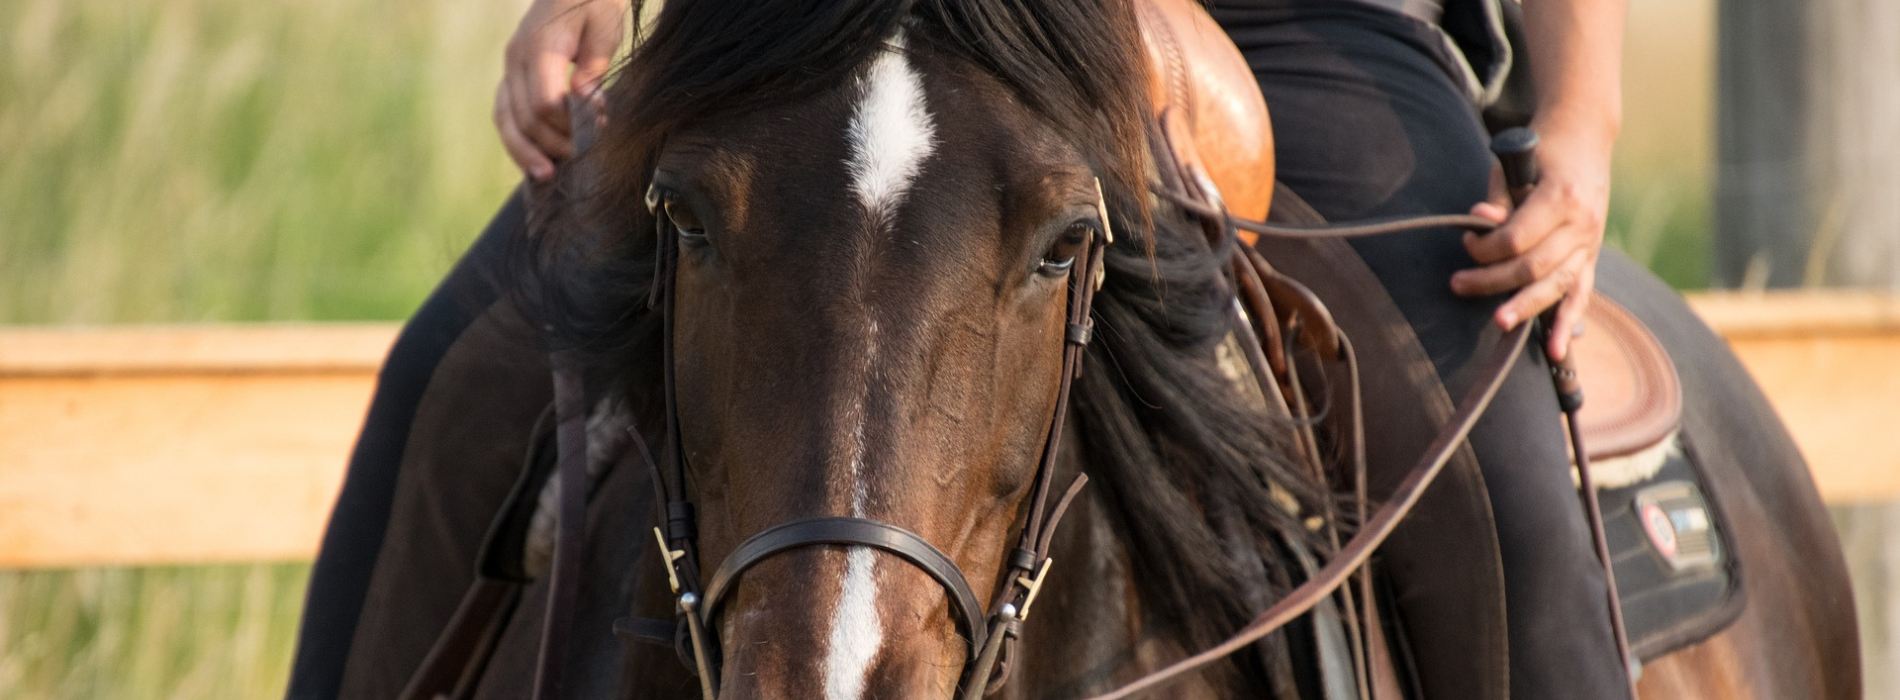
175, 632
231, 160
235, 160
223, 160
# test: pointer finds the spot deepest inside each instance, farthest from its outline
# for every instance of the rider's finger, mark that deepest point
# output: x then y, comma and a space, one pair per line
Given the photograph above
1541, 294
1516, 272
1497, 192
1497, 213
1569, 323
525, 154
1527, 227
553, 144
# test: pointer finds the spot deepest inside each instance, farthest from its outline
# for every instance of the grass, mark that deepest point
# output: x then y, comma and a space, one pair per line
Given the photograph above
175, 632
231, 160
223, 160
201, 160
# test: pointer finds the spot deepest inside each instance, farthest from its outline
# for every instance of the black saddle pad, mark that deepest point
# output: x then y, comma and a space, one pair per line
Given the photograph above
1675, 568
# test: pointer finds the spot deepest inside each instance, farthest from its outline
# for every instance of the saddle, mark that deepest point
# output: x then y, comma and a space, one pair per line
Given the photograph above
1213, 115
1216, 128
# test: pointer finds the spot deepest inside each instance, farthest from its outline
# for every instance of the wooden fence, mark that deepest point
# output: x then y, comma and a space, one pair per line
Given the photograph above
146, 445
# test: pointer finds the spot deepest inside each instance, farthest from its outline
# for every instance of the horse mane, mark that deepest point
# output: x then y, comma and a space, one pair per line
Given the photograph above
1195, 473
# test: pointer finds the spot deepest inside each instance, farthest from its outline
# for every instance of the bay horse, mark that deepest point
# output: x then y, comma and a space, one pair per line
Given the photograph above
840, 263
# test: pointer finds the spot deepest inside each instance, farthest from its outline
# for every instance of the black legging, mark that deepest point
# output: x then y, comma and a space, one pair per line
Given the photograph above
1368, 122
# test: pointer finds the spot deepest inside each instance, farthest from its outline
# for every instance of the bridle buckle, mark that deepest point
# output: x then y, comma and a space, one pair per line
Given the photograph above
669, 557
1033, 586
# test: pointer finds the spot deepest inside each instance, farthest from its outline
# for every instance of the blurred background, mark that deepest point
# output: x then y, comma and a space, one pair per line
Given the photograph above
215, 161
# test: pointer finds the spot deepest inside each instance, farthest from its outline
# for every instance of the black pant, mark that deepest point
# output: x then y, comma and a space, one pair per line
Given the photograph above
1368, 122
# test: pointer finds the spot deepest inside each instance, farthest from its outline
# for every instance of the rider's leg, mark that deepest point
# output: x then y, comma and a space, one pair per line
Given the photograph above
401, 542
1368, 123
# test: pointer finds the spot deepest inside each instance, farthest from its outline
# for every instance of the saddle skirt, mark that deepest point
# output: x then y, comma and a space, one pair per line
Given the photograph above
1632, 402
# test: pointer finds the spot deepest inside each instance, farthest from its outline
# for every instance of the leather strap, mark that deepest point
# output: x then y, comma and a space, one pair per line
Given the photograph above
857, 532
570, 434
466, 642
1374, 532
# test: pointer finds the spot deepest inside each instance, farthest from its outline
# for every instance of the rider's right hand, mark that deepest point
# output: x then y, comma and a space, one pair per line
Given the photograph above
555, 36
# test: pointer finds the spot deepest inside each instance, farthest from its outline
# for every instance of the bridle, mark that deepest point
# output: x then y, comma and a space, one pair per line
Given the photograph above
990, 630
987, 629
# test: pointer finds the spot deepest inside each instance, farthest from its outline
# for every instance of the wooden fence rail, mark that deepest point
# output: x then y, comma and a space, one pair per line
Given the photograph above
147, 445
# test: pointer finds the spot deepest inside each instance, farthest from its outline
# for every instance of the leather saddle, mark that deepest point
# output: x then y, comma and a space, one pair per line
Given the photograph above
1210, 109
1215, 125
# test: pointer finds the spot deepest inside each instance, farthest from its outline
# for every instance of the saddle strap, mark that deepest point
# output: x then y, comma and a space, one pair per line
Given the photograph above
462, 650
1491, 373
570, 519
1374, 532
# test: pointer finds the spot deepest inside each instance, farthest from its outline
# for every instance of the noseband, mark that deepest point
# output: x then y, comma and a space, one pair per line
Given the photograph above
987, 630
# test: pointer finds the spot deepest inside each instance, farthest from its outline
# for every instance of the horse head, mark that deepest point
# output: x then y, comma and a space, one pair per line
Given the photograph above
868, 234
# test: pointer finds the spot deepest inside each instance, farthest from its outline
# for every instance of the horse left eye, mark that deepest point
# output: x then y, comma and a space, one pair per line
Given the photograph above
1055, 268
1061, 256
684, 219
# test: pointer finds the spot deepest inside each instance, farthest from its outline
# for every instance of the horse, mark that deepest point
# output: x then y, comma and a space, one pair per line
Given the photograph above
898, 265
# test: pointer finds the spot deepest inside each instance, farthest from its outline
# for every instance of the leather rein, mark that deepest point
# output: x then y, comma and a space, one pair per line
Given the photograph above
1261, 293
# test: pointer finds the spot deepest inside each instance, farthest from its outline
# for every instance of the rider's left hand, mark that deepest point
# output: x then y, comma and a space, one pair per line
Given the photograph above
1547, 250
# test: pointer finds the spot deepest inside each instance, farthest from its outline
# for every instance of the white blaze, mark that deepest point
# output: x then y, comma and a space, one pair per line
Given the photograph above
857, 632
890, 136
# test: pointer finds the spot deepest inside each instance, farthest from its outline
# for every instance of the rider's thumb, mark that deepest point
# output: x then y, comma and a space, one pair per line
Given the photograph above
594, 57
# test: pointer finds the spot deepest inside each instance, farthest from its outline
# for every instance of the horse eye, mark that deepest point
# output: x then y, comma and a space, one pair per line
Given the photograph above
1061, 256
683, 218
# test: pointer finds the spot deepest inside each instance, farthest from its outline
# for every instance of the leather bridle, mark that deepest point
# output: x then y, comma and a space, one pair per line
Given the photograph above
991, 629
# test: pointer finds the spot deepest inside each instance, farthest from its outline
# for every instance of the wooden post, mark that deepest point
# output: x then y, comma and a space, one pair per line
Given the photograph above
1808, 143
1808, 193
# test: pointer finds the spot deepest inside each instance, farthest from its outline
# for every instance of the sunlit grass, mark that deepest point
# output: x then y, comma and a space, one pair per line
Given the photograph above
183, 632
231, 160
195, 160
223, 160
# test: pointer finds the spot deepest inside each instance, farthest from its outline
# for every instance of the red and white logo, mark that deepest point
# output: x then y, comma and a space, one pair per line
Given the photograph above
1662, 532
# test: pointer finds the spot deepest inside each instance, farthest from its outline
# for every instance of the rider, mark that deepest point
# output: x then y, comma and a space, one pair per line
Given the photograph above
1375, 113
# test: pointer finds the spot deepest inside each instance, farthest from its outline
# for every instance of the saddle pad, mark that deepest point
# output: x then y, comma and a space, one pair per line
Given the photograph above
1675, 568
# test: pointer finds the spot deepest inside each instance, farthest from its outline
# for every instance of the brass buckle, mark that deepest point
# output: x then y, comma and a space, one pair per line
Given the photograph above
668, 556
1034, 586
1108, 235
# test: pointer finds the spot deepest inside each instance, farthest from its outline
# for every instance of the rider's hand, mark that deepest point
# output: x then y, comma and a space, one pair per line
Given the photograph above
530, 104
1547, 250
